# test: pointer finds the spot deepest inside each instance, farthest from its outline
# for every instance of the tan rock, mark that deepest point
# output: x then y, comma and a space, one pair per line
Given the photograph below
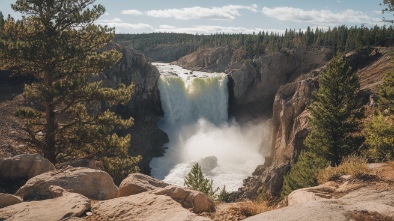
137, 183
8, 200
143, 206
196, 201
60, 208
24, 166
94, 184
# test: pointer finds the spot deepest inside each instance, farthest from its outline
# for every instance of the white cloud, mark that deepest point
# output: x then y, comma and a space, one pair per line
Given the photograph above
106, 13
228, 12
209, 29
118, 23
131, 12
317, 16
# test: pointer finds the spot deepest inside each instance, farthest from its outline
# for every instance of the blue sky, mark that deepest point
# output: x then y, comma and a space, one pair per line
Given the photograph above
232, 16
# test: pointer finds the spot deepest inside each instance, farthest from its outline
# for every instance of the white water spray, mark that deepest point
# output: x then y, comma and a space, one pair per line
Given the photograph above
195, 118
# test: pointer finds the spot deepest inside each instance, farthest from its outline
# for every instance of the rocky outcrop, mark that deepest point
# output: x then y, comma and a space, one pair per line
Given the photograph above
8, 200
368, 198
194, 200
137, 183
190, 199
290, 119
63, 206
254, 82
94, 184
15, 171
143, 206
145, 105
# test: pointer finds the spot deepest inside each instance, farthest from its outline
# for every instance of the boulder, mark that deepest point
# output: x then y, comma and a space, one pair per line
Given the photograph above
94, 184
24, 166
143, 206
190, 199
61, 208
8, 200
137, 183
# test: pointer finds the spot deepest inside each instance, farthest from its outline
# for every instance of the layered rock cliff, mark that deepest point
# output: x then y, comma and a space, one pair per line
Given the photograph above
290, 118
254, 82
144, 106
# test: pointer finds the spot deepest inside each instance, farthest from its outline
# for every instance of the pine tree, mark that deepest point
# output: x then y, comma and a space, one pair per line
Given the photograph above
197, 181
335, 111
303, 173
386, 93
58, 43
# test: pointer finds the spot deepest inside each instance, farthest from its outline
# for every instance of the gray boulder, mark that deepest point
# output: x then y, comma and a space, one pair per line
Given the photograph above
8, 200
94, 184
137, 183
143, 206
63, 207
24, 166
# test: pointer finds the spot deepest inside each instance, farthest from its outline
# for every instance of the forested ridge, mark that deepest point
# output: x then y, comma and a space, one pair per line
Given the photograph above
342, 38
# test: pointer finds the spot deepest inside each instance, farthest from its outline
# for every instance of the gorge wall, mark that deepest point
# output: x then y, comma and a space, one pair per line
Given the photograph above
254, 82
144, 106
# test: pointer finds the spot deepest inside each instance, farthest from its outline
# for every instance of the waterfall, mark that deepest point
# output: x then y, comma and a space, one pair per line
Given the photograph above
196, 120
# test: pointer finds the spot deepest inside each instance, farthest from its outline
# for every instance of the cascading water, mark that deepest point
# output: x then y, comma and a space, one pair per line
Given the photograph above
195, 118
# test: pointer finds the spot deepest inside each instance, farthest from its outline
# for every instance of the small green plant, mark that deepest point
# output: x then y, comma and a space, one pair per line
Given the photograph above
223, 196
351, 165
197, 181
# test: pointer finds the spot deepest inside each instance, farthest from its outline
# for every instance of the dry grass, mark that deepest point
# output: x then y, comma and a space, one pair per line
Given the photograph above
238, 211
351, 165
391, 163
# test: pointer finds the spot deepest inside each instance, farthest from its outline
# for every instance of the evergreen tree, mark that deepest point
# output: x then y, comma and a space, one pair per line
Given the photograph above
335, 111
58, 43
303, 173
197, 181
386, 93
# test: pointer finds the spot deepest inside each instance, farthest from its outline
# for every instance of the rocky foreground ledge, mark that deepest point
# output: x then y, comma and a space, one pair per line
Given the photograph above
81, 193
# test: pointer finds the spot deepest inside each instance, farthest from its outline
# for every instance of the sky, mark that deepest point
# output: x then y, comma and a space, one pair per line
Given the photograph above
232, 16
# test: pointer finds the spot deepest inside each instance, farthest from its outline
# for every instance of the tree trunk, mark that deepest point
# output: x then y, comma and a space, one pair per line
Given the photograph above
50, 149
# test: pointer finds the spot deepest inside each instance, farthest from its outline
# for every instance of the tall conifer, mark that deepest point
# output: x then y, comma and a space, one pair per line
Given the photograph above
58, 43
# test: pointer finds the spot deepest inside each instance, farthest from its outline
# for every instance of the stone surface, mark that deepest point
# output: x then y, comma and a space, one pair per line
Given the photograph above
372, 202
8, 200
61, 208
94, 184
137, 183
196, 201
143, 206
22, 167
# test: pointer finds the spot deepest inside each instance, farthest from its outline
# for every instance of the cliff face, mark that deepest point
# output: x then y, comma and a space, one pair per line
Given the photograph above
290, 119
254, 82
144, 106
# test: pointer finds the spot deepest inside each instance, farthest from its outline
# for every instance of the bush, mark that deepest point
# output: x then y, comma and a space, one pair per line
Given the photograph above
303, 173
379, 139
351, 165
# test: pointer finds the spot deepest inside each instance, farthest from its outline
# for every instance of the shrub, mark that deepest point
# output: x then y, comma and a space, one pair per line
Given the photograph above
351, 165
197, 181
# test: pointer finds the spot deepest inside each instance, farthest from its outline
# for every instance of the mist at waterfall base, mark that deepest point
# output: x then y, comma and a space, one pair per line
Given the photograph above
196, 120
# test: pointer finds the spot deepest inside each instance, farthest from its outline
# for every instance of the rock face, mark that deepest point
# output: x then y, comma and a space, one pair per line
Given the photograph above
196, 201
8, 200
190, 199
145, 105
347, 199
94, 184
64, 206
290, 120
254, 82
16, 170
143, 206
137, 183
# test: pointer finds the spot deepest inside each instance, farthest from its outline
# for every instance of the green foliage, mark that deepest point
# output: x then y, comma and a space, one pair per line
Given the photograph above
223, 196
197, 181
58, 43
386, 94
335, 111
303, 173
379, 138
